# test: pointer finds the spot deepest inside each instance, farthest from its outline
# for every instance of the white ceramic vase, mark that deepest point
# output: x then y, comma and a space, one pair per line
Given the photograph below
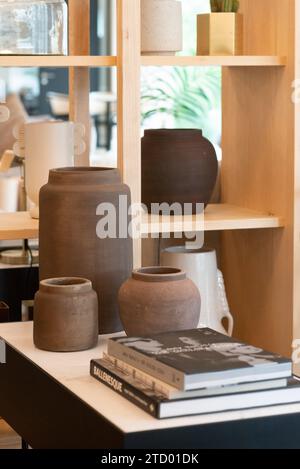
201, 267
161, 27
47, 145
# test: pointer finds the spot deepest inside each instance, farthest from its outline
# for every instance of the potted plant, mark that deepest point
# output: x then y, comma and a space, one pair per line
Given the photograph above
221, 31
182, 97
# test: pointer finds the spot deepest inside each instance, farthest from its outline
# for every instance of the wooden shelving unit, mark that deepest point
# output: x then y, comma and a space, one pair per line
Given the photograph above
259, 252
57, 61
217, 217
223, 61
18, 225
260, 169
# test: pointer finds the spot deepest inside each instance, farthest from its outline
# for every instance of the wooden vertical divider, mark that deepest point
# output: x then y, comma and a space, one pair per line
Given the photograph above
296, 89
258, 172
79, 77
129, 112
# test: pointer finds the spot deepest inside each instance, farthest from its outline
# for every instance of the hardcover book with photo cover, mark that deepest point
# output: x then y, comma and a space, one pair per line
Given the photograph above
199, 358
156, 404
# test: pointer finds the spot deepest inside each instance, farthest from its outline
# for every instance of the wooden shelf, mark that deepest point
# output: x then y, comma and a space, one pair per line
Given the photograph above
217, 218
226, 61
57, 61
111, 61
18, 225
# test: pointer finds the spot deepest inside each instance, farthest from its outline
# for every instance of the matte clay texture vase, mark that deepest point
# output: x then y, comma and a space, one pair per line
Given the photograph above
158, 299
178, 166
66, 315
161, 27
70, 245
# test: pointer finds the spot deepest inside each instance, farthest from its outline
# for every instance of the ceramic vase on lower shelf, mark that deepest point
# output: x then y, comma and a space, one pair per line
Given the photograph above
179, 166
74, 237
201, 267
161, 27
66, 315
158, 299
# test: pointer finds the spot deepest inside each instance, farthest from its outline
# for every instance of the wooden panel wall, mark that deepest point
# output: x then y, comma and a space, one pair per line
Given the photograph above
258, 173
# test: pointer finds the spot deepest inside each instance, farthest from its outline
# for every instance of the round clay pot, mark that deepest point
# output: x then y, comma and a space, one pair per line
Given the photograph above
178, 166
66, 315
70, 244
158, 299
161, 27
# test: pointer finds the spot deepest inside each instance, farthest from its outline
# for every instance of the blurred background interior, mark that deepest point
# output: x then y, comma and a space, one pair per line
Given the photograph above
171, 97
39, 93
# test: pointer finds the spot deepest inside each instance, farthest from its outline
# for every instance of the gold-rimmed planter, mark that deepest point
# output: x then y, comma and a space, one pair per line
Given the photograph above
220, 34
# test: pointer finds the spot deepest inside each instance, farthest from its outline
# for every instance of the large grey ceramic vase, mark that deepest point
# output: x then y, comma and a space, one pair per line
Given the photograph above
70, 242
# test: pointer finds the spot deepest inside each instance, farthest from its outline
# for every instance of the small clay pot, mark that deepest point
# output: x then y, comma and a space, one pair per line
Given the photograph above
65, 315
158, 299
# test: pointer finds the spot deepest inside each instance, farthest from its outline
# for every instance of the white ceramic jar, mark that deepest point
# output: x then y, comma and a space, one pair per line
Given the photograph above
33, 27
161, 27
48, 145
201, 267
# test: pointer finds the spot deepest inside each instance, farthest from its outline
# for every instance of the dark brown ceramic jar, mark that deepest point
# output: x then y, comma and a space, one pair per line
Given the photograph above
66, 315
70, 245
177, 166
158, 299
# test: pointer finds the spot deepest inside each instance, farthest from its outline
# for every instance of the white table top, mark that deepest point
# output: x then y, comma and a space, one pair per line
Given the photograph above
72, 371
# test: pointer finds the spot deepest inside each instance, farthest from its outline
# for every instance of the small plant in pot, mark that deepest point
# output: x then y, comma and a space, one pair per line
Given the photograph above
225, 6
221, 31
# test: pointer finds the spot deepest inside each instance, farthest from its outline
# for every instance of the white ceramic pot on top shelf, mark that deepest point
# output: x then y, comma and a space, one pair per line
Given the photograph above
161, 25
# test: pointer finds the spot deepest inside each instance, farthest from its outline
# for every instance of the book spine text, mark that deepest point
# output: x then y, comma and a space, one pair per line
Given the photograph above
125, 389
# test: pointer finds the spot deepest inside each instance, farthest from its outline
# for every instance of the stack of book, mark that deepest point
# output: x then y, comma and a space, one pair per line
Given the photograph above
195, 372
